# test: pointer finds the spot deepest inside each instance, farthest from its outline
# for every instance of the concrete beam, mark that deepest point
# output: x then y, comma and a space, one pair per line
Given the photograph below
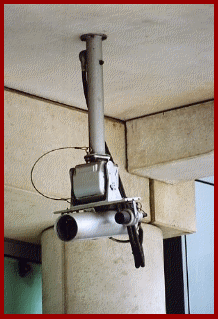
173, 146
172, 207
33, 127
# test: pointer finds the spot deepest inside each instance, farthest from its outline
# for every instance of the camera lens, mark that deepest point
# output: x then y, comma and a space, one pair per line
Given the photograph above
123, 217
66, 228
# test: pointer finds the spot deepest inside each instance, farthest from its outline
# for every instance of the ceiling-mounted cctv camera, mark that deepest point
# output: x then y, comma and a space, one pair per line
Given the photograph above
99, 205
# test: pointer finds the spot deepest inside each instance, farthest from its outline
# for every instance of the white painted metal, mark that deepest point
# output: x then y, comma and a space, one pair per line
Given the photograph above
95, 225
95, 93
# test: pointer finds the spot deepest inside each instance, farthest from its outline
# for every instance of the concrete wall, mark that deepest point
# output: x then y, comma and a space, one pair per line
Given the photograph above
34, 127
173, 207
99, 276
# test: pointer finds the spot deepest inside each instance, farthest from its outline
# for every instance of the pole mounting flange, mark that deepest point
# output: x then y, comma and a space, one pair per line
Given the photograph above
84, 37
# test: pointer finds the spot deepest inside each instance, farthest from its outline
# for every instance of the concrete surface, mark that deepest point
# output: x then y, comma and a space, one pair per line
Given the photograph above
157, 56
174, 146
32, 128
99, 276
173, 207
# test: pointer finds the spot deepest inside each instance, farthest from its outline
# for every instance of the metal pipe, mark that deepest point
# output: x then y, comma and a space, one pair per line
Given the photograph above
95, 92
88, 225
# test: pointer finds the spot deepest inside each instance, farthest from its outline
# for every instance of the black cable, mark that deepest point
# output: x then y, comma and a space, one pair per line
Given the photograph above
140, 234
121, 187
119, 241
204, 182
56, 149
135, 241
85, 86
85, 90
83, 60
136, 247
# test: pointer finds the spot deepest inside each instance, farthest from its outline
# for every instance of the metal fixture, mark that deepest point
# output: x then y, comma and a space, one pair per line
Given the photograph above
99, 206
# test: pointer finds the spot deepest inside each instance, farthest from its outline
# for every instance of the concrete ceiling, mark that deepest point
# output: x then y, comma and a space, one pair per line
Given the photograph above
157, 56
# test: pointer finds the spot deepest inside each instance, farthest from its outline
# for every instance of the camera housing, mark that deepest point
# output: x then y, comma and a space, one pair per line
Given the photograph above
88, 225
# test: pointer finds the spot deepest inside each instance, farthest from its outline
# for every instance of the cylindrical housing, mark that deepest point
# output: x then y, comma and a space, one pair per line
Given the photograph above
88, 225
95, 93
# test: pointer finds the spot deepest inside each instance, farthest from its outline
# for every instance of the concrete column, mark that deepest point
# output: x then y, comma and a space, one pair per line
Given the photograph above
99, 276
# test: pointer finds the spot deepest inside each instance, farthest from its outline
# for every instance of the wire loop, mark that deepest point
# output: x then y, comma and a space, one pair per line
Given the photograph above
86, 149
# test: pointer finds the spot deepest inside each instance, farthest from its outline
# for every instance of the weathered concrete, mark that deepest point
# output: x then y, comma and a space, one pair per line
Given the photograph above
174, 146
173, 207
157, 56
92, 276
34, 127
99, 276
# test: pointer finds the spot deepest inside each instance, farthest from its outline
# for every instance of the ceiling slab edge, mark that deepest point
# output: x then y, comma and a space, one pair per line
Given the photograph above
6, 88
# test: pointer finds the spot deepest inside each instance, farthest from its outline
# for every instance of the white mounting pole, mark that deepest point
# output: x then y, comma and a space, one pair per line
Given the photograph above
95, 92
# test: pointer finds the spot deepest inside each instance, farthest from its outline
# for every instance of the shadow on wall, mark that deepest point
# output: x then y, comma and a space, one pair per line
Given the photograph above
22, 290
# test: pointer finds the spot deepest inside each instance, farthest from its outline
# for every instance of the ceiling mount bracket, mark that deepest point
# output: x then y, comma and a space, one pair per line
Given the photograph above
85, 37
94, 64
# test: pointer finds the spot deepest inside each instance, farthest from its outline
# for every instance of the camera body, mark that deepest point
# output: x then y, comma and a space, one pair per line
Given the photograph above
97, 208
94, 181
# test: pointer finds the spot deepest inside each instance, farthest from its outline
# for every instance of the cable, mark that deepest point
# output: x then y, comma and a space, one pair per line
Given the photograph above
135, 239
136, 245
83, 56
204, 182
56, 149
85, 86
119, 241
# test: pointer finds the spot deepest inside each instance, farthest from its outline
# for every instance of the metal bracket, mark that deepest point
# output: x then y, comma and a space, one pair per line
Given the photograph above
97, 204
96, 157
86, 36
